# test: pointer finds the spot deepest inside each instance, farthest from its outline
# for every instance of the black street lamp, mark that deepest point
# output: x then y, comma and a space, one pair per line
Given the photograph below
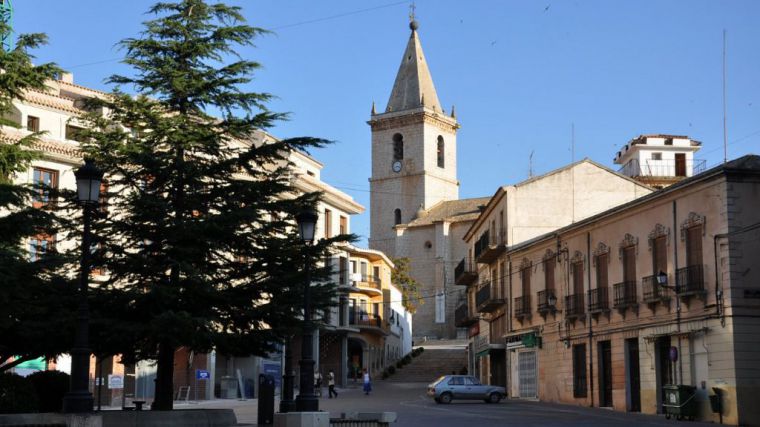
307, 401
79, 398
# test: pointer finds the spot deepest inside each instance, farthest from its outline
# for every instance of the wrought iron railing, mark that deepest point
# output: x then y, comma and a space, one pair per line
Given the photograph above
662, 168
625, 294
598, 299
482, 244
361, 317
651, 291
691, 279
483, 294
464, 272
522, 306
543, 300
574, 305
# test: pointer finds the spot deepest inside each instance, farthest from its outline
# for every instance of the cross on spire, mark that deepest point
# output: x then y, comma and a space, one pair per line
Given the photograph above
412, 7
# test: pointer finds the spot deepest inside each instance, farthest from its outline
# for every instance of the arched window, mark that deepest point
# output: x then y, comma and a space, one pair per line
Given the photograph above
397, 217
398, 147
440, 151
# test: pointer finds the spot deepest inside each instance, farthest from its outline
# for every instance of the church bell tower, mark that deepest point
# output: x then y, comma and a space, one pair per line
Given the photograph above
413, 151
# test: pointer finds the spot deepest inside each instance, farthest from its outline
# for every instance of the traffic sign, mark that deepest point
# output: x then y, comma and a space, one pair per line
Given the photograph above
201, 374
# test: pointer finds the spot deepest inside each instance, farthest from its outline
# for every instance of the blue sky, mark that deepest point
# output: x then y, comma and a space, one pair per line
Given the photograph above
519, 72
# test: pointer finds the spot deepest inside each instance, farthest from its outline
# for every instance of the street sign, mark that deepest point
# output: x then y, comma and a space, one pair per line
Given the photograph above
115, 382
201, 374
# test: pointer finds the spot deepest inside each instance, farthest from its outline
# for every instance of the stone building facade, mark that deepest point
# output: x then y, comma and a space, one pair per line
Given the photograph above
583, 319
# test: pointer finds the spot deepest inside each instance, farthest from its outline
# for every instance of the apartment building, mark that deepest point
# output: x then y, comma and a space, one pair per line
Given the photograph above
513, 215
55, 112
585, 320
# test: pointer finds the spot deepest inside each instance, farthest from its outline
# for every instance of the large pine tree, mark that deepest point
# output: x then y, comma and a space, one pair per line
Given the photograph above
33, 313
198, 241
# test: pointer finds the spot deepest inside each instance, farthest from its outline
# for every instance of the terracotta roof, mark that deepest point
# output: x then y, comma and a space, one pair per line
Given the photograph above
451, 211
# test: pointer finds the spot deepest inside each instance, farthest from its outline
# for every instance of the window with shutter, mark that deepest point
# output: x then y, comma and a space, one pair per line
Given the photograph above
601, 270
629, 264
694, 246
579, 370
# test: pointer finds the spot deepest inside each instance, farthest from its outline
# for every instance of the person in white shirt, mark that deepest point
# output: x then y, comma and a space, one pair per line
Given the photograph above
331, 384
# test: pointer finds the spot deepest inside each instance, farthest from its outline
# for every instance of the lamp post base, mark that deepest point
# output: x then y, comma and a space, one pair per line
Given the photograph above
77, 402
307, 403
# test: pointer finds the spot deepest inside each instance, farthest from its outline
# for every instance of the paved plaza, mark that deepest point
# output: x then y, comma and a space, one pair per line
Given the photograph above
414, 409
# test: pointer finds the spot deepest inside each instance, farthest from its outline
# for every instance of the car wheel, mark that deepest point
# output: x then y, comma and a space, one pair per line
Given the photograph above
437, 400
445, 398
494, 398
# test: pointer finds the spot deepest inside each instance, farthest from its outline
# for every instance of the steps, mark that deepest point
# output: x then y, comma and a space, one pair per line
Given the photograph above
439, 358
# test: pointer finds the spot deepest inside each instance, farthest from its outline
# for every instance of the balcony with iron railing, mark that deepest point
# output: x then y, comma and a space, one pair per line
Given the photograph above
522, 307
690, 280
372, 322
544, 298
574, 306
465, 272
462, 317
598, 300
625, 294
492, 244
652, 292
662, 169
488, 298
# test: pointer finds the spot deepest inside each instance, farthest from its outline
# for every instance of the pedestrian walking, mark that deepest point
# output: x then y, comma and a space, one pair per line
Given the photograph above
367, 382
331, 384
318, 383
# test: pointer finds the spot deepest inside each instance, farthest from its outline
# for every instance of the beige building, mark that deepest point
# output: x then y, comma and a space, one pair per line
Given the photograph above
582, 319
514, 214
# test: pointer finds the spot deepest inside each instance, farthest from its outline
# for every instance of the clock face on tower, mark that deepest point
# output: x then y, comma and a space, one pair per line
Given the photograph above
397, 166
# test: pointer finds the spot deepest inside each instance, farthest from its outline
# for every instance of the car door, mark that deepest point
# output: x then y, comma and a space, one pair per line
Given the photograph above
474, 389
456, 387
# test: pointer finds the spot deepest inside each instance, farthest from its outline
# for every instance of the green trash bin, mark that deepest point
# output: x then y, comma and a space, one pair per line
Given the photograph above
679, 400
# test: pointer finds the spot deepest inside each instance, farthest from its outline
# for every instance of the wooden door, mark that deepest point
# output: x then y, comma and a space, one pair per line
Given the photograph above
680, 164
605, 374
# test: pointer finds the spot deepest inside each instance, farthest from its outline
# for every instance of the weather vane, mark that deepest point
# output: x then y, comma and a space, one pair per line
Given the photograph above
411, 11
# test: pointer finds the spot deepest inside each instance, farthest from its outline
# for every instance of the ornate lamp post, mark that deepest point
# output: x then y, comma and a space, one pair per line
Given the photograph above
79, 398
307, 401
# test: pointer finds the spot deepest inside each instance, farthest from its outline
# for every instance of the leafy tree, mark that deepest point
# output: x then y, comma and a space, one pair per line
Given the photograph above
33, 311
199, 245
410, 288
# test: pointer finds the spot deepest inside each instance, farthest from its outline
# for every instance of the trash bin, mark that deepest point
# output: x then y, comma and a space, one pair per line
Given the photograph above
266, 399
229, 388
716, 401
679, 401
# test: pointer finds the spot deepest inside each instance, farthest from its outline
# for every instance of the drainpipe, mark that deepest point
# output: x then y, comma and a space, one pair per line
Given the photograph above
509, 294
678, 297
590, 322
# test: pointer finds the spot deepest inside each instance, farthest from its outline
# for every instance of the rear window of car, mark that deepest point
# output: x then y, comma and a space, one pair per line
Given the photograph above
456, 381
438, 380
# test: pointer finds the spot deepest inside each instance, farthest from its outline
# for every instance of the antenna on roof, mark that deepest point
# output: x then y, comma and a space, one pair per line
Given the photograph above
572, 142
725, 132
530, 164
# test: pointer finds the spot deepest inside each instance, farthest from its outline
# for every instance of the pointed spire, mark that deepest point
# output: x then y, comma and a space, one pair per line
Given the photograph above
413, 81
373, 108
453, 112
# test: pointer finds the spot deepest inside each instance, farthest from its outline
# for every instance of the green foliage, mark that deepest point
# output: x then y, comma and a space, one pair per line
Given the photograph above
391, 370
50, 387
33, 321
202, 253
16, 394
400, 363
407, 359
410, 288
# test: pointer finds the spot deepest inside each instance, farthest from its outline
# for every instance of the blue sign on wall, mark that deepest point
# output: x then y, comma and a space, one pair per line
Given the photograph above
200, 374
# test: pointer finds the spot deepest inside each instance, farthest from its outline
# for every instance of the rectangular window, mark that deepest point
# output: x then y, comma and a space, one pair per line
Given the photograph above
440, 307
40, 245
376, 274
502, 278
579, 370
629, 264
660, 255
656, 156
74, 133
549, 273
578, 277
32, 124
525, 276
601, 270
694, 246
343, 225
342, 270
328, 223
45, 182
